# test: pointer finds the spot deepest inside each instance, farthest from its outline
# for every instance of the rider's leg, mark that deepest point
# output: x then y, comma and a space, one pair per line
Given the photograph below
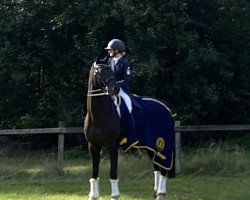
126, 99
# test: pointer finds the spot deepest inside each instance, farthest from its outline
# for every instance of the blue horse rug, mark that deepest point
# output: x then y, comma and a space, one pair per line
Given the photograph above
153, 129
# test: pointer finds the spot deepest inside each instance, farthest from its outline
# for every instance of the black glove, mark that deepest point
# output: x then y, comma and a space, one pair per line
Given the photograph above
114, 90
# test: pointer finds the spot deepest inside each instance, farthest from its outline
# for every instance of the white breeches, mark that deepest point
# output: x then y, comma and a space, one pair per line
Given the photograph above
127, 99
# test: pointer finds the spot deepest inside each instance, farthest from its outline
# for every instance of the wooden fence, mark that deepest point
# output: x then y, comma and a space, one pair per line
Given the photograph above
200, 128
61, 130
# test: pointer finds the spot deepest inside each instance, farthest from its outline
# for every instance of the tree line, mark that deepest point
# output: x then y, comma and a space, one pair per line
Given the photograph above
192, 53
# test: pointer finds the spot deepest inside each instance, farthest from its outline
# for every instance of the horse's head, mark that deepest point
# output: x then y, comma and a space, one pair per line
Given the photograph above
103, 77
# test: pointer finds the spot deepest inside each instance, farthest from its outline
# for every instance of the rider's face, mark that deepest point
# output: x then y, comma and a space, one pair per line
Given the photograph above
111, 52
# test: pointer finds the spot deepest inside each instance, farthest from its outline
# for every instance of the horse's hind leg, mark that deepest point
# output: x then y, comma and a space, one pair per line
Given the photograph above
160, 179
94, 181
160, 183
113, 153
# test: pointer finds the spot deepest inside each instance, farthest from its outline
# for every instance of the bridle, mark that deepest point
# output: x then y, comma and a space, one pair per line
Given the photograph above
92, 93
104, 90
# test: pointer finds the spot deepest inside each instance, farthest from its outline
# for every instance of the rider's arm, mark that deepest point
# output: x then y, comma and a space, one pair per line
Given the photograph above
127, 72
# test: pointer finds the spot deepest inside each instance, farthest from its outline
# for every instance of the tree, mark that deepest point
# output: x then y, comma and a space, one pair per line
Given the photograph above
192, 53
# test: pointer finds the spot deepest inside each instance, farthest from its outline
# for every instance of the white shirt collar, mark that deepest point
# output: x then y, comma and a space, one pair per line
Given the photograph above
116, 59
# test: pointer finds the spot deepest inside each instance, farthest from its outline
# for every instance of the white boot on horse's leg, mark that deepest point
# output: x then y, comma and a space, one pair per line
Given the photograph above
157, 179
162, 188
114, 189
94, 189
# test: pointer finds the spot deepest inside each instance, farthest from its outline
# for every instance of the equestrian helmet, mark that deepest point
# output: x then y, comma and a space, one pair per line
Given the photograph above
116, 44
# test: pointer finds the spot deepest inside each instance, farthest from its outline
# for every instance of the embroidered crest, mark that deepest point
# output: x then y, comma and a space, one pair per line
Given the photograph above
161, 155
123, 141
160, 143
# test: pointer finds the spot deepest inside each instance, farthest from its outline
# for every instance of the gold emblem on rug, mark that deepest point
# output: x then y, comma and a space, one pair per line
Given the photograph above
123, 141
160, 144
161, 155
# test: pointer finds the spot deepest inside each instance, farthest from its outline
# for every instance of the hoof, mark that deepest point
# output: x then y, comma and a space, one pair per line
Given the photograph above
114, 198
160, 197
92, 198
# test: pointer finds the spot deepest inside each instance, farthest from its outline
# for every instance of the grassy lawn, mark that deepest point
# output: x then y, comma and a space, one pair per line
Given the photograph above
36, 178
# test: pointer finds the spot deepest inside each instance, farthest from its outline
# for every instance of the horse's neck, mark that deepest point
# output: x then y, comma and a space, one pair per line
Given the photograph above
98, 103
100, 107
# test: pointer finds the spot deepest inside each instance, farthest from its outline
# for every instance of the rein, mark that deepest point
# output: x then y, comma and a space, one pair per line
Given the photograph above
92, 93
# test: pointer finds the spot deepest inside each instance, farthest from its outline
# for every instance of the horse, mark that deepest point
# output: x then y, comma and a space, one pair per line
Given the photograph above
102, 128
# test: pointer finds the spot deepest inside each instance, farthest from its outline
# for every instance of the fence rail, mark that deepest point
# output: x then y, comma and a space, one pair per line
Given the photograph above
183, 128
244, 127
62, 130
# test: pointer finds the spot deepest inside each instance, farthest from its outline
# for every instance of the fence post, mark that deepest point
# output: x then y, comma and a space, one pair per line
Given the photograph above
177, 148
60, 162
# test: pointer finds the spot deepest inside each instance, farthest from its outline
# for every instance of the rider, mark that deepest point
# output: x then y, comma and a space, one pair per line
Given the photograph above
122, 70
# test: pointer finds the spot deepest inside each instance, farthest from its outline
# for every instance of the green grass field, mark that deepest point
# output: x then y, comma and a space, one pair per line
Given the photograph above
212, 173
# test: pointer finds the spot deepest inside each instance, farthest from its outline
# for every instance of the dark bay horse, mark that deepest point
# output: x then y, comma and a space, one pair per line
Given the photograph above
102, 128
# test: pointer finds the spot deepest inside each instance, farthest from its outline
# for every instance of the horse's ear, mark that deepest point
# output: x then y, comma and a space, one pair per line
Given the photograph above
98, 57
105, 59
102, 58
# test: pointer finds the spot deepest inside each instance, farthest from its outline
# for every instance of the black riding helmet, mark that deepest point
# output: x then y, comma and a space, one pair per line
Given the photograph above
116, 44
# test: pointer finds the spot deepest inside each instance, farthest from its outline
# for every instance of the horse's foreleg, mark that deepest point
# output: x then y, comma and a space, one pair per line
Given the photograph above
113, 153
94, 181
95, 156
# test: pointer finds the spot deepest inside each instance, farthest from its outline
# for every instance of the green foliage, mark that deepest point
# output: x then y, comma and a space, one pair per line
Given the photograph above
192, 53
75, 153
